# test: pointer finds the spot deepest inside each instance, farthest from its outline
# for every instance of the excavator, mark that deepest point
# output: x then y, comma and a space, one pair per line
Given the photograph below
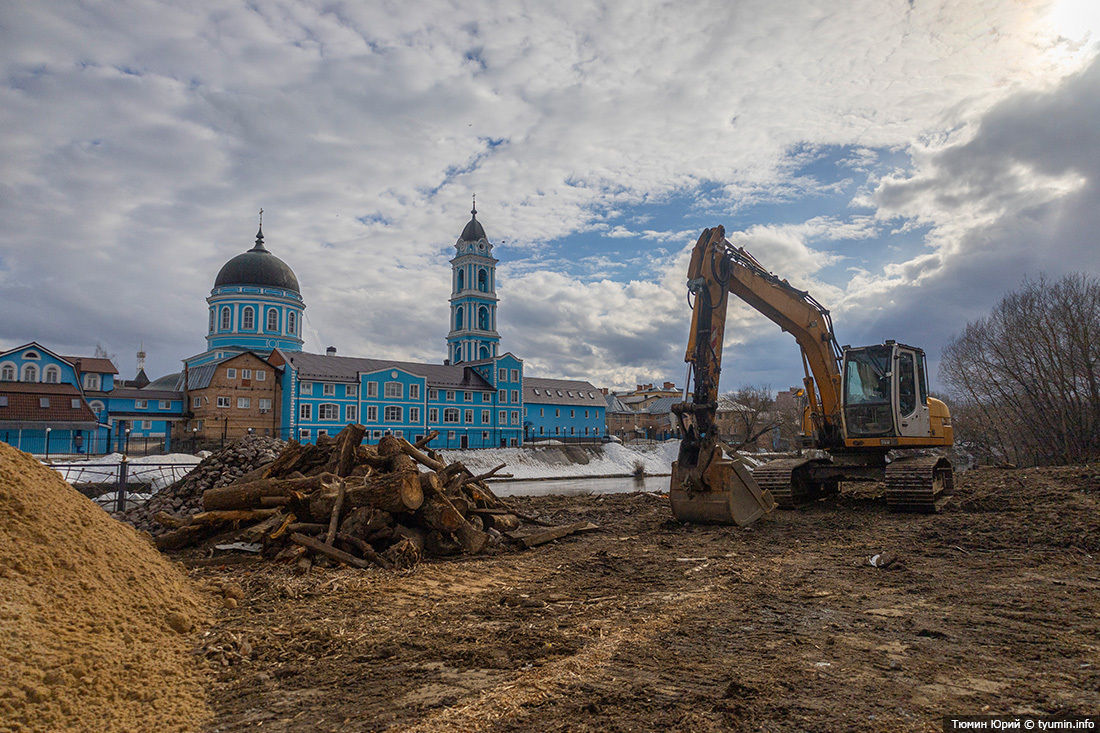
867, 409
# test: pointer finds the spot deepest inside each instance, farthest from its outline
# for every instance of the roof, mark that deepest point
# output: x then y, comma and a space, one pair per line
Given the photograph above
257, 266
614, 404
662, 406
474, 231
320, 368
94, 364
562, 392
23, 404
133, 393
172, 382
199, 377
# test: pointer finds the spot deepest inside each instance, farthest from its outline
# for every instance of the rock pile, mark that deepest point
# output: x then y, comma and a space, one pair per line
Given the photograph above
184, 497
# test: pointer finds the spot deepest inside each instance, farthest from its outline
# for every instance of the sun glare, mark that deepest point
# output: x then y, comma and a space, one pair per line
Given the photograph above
1076, 20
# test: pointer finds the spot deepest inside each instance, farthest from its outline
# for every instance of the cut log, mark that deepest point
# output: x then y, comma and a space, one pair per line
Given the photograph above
282, 466
365, 550
420, 457
170, 521
182, 537
248, 496
438, 544
257, 532
415, 535
268, 502
307, 527
423, 442
430, 483
345, 450
500, 522
404, 553
255, 474
331, 552
334, 518
473, 540
402, 462
390, 492
363, 521
438, 513
231, 515
388, 445
541, 537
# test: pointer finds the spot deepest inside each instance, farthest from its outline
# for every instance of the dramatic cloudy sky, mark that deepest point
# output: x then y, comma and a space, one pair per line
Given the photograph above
908, 161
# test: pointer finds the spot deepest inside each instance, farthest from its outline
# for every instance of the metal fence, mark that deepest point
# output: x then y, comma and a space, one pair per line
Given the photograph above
120, 486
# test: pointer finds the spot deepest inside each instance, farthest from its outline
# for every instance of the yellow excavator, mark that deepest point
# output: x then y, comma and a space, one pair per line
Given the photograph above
861, 404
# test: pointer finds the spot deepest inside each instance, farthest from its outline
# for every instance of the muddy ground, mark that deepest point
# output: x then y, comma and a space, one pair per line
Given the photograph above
990, 607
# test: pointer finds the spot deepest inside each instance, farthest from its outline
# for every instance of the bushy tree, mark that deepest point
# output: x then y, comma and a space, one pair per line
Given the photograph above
1025, 380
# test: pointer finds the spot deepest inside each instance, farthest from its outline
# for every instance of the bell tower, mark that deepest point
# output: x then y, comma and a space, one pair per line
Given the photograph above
473, 333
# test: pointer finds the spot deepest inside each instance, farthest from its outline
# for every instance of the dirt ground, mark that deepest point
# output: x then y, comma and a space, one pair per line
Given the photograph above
990, 607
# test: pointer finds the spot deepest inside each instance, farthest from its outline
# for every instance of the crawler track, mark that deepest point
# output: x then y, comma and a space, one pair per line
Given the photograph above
920, 485
789, 481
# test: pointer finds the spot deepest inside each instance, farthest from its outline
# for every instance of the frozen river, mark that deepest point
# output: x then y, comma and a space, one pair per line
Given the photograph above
579, 486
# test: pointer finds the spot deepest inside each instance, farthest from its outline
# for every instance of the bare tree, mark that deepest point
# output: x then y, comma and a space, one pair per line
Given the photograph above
1025, 380
747, 414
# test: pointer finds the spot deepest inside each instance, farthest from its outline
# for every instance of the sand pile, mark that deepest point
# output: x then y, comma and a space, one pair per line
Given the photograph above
91, 616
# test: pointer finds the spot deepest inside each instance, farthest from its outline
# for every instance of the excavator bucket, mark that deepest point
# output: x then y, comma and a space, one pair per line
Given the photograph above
723, 493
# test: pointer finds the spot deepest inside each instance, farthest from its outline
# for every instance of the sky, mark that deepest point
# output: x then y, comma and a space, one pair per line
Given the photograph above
907, 162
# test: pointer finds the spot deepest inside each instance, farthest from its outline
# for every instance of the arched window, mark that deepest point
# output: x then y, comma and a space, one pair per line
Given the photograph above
31, 355
483, 281
272, 319
248, 318
52, 374
484, 352
461, 280
292, 323
7, 373
458, 318
96, 406
30, 373
227, 318
483, 318
211, 330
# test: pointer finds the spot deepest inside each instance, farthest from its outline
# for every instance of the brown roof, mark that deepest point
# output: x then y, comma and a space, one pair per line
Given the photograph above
24, 404
92, 364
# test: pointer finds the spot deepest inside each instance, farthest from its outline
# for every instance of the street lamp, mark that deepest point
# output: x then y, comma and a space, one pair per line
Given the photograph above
48, 443
126, 448
194, 438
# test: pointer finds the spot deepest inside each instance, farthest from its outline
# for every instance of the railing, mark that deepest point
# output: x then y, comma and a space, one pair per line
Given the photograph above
120, 486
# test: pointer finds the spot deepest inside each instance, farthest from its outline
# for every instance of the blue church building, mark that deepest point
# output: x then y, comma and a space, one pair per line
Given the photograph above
254, 377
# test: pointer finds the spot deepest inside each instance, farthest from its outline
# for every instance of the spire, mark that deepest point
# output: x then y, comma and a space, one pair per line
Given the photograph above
260, 235
473, 211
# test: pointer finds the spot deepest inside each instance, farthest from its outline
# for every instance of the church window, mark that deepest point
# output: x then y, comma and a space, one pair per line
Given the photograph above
461, 280
394, 390
482, 281
392, 413
227, 318
328, 411
248, 318
305, 412
292, 323
458, 318
52, 374
483, 318
30, 373
450, 414
272, 319
8, 373
211, 328
223, 402
483, 352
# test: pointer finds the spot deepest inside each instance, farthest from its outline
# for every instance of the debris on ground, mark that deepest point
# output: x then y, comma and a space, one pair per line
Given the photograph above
340, 501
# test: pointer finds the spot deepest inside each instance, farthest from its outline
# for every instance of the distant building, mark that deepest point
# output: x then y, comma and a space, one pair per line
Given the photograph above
644, 413
562, 408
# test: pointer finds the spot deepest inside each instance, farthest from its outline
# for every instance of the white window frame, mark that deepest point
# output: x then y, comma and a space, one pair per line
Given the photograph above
467, 396
450, 395
223, 401
469, 416
515, 375
393, 391
372, 413
141, 404
231, 373
328, 411
244, 403
265, 404
502, 374
372, 389
515, 396
292, 323
146, 425
261, 375
303, 435
51, 374
165, 405
502, 396
351, 413
393, 413
196, 402
246, 374
273, 315
515, 417
352, 390
93, 382
414, 391
451, 412
414, 414
486, 417
328, 389
433, 395
433, 415
305, 411
248, 318
502, 417
226, 318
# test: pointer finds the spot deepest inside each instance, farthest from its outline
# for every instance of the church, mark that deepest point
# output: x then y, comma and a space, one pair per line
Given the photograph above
255, 377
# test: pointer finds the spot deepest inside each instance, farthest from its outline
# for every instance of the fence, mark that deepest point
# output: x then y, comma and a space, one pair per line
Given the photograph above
120, 486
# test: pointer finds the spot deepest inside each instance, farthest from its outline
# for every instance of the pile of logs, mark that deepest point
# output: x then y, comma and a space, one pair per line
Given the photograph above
386, 505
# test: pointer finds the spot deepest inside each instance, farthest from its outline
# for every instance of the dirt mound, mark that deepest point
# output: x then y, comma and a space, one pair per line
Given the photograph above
91, 616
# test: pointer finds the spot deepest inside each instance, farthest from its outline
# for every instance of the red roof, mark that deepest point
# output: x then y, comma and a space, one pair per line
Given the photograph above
24, 403
92, 364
